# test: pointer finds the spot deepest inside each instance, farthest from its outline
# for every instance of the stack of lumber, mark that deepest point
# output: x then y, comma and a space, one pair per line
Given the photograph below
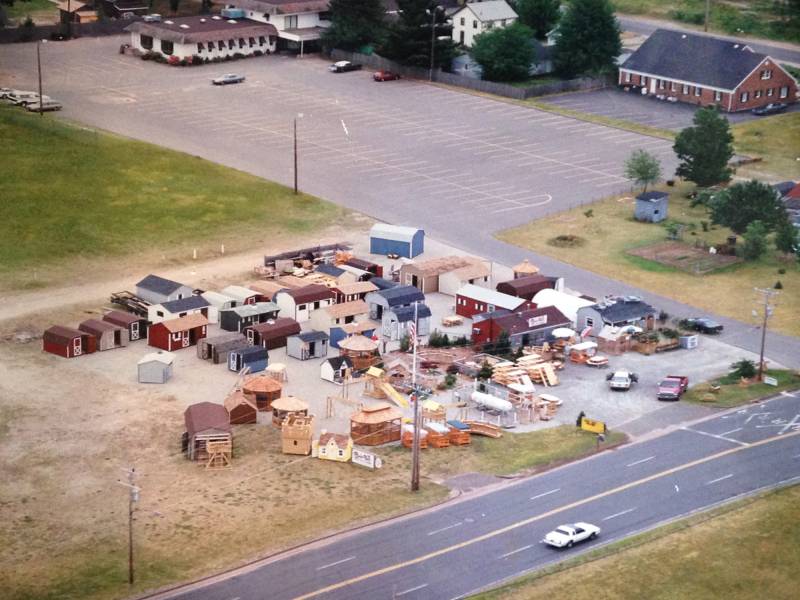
458, 437
438, 435
539, 370
507, 372
407, 437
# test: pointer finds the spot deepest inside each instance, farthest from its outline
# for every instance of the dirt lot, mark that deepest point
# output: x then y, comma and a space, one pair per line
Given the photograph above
685, 257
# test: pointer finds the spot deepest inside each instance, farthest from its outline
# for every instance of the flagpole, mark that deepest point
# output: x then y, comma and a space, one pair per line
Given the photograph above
415, 397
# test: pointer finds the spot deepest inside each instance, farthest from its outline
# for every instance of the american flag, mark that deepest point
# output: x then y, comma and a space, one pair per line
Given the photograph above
412, 333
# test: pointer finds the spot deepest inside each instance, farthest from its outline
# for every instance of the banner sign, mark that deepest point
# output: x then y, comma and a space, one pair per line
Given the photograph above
592, 425
366, 459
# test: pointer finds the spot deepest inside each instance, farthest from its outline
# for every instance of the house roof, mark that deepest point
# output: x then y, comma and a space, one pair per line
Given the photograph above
119, 317
341, 441
784, 187
251, 310
396, 233
400, 295
406, 313
492, 10
282, 7
261, 384
623, 308
198, 29
61, 334
312, 336
188, 303
531, 320
97, 327
184, 323
651, 196
204, 416
694, 58
357, 287
492, 297
309, 293
794, 192
276, 328
358, 343
327, 269
381, 412
157, 284
290, 404
347, 309
163, 357
236, 398
336, 362
566, 303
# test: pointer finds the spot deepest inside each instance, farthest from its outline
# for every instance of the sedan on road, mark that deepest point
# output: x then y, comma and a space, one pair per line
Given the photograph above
566, 536
228, 78
385, 76
773, 108
343, 66
46, 106
704, 325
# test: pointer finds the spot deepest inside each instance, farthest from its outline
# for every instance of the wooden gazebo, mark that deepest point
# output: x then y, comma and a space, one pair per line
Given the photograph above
525, 269
375, 424
361, 350
285, 406
263, 390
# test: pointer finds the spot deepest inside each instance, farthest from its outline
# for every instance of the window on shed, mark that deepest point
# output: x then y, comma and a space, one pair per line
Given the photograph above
200, 47
301, 307
697, 90
146, 41
176, 336
167, 47
341, 452
766, 74
717, 96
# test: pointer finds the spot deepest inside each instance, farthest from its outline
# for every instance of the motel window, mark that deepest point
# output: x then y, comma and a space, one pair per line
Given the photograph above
744, 97
166, 47
697, 90
784, 91
241, 42
627, 77
759, 93
261, 40
717, 96
685, 89
770, 91
252, 41
200, 47
766, 74
210, 46
146, 41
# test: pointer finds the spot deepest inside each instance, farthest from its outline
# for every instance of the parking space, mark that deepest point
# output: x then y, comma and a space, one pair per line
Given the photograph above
644, 110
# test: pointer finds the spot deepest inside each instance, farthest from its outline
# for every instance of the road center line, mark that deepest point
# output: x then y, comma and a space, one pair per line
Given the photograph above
728, 476
507, 554
408, 591
435, 531
497, 532
619, 514
638, 462
719, 437
333, 564
545, 494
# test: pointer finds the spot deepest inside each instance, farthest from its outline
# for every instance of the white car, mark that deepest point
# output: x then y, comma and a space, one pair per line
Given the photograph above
565, 536
621, 380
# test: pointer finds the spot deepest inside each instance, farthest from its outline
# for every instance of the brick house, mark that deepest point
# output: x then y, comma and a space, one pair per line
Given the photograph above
704, 70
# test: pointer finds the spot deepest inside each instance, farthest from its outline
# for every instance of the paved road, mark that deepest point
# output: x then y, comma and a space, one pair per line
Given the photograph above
467, 545
461, 166
778, 50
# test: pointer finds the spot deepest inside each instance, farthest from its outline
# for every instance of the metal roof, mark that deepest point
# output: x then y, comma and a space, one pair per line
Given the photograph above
313, 336
198, 29
566, 303
400, 295
406, 313
493, 10
188, 303
492, 297
396, 233
252, 310
327, 269
239, 292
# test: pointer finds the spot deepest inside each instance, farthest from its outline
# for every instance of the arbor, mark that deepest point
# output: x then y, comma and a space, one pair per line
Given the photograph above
743, 203
755, 240
505, 54
588, 38
705, 149
539, 15
787, 238
355, 23
643, 168
409, 38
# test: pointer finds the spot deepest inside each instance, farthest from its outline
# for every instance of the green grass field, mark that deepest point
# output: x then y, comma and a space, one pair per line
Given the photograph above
72, 194
731, 393
776, 140
742, 551
39, 10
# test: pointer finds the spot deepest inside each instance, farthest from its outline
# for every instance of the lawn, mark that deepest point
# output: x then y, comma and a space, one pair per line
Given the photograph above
611, 232
732, 393
745, 550
76, 194
776, 140
757, 18
41, 11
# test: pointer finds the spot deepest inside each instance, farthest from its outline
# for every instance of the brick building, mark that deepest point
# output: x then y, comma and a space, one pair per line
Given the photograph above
703, 70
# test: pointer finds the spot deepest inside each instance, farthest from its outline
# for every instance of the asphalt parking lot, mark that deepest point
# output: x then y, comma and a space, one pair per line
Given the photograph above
629, 106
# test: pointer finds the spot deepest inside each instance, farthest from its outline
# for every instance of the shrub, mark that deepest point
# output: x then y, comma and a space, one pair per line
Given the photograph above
26, 31
663, 316
704, 225
588, 213
781, 271
778, 285
486, 371
238, 55
450, 380
405, 343
567, 241
744, 368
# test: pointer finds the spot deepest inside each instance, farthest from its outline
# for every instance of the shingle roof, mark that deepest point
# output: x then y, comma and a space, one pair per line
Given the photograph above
382, 284
252, 310
309, 293
406, 313
696, 59
357, 287
623, 309
531, 320
277, 328
119, 317
157, 284
313, 336
347, 309
188, 303
492, 10
161, 356
400, 295
97, 327
526, 286
61, 334
184, 323
252, 352
336, 362
206, 415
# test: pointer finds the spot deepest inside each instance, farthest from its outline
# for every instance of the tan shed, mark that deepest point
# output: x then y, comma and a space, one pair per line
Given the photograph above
285, 406
297, 434
376, 424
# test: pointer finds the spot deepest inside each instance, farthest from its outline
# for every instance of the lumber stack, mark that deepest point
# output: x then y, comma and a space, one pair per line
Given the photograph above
507, 372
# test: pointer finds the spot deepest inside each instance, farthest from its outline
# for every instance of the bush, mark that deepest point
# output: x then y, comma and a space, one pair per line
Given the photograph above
781, 271
567, 241
755, 243
744, 368
450, 380
778, 285
438, 340
173, 60
238, 55
588, 213
452, 370
663, 316
405, 343
26, 31
486, 371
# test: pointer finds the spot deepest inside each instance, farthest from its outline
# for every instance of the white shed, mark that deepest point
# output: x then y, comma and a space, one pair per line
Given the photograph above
155, 367
217, 301
568, 304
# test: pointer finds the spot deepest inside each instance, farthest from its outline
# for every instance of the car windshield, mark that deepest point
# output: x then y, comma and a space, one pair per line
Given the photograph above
670, 383
620, 378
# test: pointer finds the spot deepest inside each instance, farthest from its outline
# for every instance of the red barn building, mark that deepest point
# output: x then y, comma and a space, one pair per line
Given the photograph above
704, 70
68, 342
178, 333
473, 299
527, 287
525, 328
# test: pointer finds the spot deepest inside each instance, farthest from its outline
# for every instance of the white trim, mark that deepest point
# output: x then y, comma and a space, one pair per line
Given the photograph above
774, 64
681, 81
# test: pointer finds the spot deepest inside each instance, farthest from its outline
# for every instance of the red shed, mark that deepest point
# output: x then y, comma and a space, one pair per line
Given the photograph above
473, 299
68, 342
134, 324
527, 287
272, 334
178, 333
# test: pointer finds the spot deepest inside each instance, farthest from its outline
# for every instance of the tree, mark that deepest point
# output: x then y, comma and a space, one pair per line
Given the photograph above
539, 15
744, 368
705, 149
588, 39
355, 23
787, 239
505, 54
755, 241
743, 203
409, 38
643, 168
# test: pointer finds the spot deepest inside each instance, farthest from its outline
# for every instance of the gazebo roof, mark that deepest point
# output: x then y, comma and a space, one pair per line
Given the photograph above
290, 404
358, 343
261, 384
376, 413
526, 267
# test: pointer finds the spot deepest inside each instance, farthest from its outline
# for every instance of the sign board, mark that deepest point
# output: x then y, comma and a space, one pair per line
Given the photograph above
770, 380
592, 425
535, 321
366, 459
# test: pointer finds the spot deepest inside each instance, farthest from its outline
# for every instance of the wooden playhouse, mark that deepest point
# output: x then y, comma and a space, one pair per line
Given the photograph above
297, 434
361, 350
376, 424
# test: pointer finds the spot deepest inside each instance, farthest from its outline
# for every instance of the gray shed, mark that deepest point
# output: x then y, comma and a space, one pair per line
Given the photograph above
307, 345
651, 207
219, 346
155, 367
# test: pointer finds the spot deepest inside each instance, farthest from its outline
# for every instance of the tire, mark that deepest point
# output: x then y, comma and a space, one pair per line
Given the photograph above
570, 544
593, 536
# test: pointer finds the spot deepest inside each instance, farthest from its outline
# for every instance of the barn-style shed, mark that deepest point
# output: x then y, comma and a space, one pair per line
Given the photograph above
273, 333
67, 342
206, 423
108, 335
394, 239
254, 357
136, 326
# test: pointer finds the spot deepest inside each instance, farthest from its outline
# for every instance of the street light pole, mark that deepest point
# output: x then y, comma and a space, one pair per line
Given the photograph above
133, 497
295, 155
433, 39
39, 69
768, 307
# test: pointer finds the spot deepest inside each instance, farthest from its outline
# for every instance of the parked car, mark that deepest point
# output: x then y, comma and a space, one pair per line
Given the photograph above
566, 536
672, 387
385, 76
343, 66
773, 108
28, 100
704, 325
21, 96
47, 106
621, 380
228, 78
4, 91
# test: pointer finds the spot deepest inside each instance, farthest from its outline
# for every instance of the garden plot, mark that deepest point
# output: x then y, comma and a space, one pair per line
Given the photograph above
685, 257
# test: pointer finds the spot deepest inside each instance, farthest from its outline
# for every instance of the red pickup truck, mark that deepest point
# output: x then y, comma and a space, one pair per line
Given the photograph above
672, 386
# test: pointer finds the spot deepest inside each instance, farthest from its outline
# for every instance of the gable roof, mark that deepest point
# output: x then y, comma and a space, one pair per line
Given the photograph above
312, 336
440, 265
623, 308
97, 327
402, 294
336, 362
381, 283
239, 292
251, 310
267, 288
696, 59
341, 441
473, 271
308, 293
492, 297
163, 357
188, 303
406, 313
236, 398
157, 284
327, 269
357, 287
347, 309
493, 10
184, 323
204, 416
531, 320
280, 327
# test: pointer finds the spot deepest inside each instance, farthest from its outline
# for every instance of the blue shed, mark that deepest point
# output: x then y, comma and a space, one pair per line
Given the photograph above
394, 239
651, 207
254, 357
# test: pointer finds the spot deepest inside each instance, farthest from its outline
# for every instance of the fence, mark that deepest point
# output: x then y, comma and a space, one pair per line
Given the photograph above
43, 32
490, 87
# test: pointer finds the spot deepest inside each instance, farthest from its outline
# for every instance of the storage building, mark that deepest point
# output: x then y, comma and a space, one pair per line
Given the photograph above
472, 300
334, 369
395, 297
239, 317
273, 333
155, 367
567, 304
135, 325
217, 301
241, 294
67, 342
528, 287
394, 239
108, 335
263, 389
254, 357
651, 207
178, 333
241, 409
206, 423
217, 347
307, 345
155, 290
299, 303
175, 309
445, 274
396, 321
365, 265
350, 292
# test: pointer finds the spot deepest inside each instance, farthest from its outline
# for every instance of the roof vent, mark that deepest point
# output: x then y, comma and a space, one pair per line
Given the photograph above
184, 26
231, 21
169, 22
216, 18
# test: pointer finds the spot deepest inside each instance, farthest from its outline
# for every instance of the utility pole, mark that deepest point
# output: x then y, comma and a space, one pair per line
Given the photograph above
295, 155
767, 295
433, 38
133, 497
705, 23
39, 69
415, 397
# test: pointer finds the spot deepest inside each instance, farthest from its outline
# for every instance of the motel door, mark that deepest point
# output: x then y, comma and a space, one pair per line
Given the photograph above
77, 349
135, 331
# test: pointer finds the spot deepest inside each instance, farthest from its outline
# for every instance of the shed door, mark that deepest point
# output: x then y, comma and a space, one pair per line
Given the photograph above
77, 348
185, 340
251, 337
652, 85
232, 361
135, 330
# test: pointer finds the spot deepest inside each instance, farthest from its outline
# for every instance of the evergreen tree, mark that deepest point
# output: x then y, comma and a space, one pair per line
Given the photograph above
588, 39
409, 38
787, 238
355, 23
505, 54
705, 149
743, 203
539, 15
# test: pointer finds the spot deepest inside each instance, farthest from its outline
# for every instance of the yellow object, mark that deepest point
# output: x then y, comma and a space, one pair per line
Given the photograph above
375, 372
393, 394
593, 426
333, 446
